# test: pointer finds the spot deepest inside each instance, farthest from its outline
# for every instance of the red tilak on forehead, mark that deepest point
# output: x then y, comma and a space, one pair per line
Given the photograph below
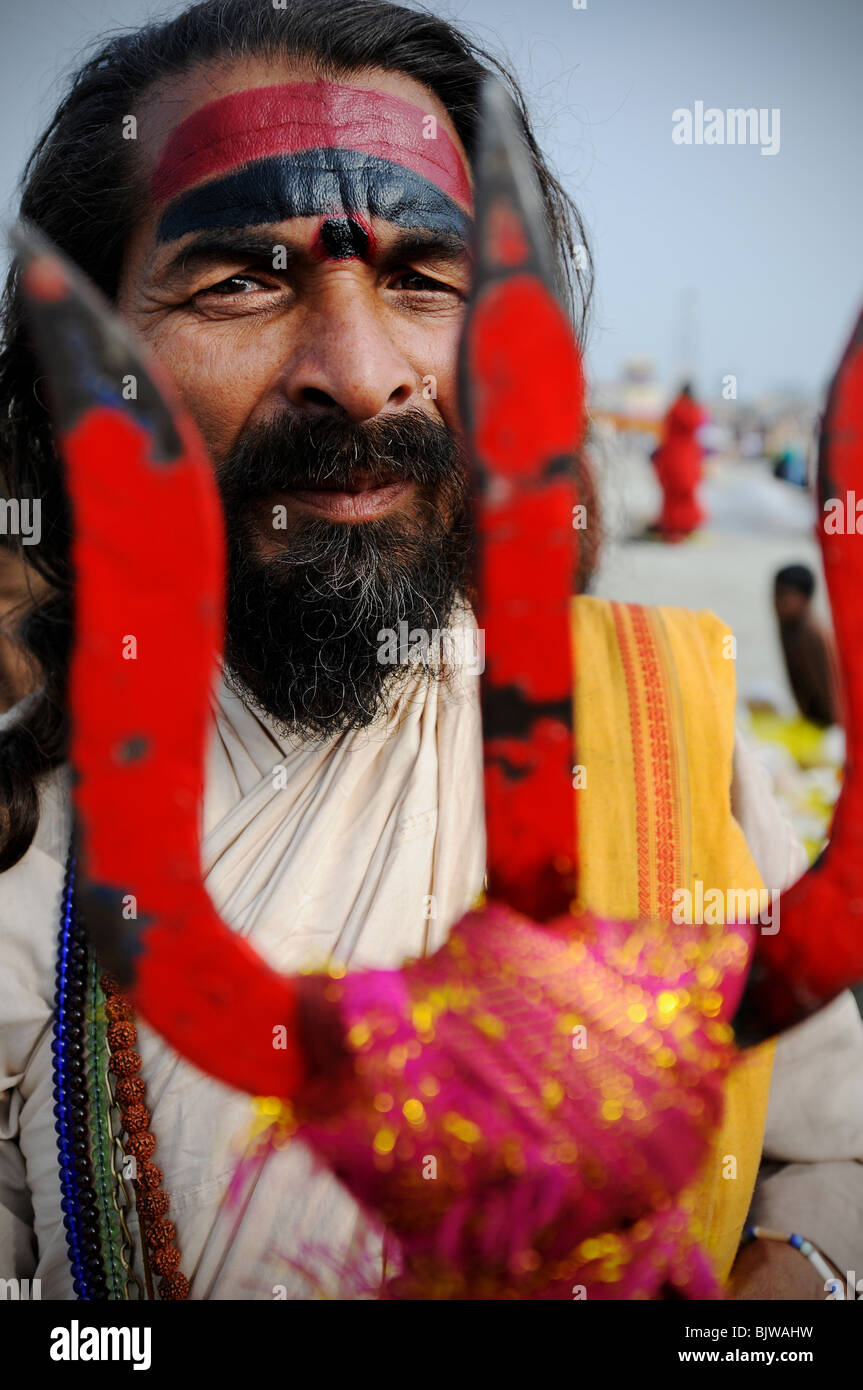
297, 116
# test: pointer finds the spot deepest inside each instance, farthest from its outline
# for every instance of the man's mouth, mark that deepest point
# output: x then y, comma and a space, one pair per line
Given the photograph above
366, 497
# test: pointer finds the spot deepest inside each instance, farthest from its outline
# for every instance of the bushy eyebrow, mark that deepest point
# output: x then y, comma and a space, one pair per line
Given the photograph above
214, 246
222, 244
424, 243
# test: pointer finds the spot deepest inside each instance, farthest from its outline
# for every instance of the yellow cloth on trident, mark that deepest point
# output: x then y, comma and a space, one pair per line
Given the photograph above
655, 702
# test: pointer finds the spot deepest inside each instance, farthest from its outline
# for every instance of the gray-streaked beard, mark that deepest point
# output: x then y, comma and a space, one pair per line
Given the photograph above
303, 642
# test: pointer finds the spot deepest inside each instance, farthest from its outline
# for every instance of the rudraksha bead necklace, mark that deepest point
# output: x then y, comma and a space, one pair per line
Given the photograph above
151, 1200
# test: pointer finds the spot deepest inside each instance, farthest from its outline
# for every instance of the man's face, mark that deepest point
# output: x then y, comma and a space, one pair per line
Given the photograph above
301, 269
790, 604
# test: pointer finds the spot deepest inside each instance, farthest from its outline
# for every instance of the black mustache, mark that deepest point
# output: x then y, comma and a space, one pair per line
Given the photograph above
302, 634
330, 452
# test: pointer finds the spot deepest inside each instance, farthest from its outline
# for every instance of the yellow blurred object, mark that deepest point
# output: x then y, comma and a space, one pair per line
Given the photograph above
804, 741
654, 815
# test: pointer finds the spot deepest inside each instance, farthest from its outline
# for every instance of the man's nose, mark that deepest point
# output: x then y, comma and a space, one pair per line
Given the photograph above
347, 361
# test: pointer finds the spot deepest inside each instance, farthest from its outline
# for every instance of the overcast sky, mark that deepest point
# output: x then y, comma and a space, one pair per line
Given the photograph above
749, 263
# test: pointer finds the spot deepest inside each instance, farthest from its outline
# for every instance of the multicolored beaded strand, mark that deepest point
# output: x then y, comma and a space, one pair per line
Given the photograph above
102, 1139
78, 1055
78, 1198
151, 1201
806, 1247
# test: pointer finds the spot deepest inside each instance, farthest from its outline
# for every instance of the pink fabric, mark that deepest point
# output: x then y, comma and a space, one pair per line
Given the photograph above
508, 1159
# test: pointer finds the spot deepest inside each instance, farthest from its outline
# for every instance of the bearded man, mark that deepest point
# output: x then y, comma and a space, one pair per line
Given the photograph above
278, 200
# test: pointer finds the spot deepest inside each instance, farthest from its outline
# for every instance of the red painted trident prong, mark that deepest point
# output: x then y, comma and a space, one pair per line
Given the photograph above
148, 557
818, 950
522, 399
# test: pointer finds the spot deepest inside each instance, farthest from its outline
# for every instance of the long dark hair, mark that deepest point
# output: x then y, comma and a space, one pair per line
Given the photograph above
80, 187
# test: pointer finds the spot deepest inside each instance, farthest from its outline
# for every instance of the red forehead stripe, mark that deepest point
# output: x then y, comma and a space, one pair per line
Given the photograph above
296, 116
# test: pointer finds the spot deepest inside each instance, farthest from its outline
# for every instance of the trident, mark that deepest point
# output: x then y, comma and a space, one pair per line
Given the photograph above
137, 467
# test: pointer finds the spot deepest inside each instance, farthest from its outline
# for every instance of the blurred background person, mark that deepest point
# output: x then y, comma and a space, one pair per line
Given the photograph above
807, 646
678, 467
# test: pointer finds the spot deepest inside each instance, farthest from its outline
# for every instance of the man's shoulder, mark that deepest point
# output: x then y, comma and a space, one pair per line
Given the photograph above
701, 625
30, 898
54, 791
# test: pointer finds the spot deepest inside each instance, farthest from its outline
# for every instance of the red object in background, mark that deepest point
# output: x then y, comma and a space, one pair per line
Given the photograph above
678, 466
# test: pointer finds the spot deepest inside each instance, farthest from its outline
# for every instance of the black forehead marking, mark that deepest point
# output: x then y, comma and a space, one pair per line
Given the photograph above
343, 238
324, 183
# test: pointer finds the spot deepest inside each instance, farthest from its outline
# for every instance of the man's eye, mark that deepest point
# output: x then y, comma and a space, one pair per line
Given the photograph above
415, 280
235, 284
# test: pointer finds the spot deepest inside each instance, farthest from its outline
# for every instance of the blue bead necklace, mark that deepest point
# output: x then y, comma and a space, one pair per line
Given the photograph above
71, 1108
